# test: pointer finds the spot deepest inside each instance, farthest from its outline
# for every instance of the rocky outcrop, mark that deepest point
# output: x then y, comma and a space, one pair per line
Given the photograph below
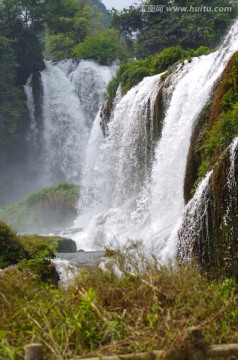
202, 155
214, 243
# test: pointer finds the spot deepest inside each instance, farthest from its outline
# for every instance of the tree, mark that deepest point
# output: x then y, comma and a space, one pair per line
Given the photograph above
23, 22
103, 47
151, 32
11, 104
71, 24
59, 46
128, 21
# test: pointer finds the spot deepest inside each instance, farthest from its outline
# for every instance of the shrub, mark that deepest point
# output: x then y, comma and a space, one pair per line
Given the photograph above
167, 57
41, 269
131, 73
11, 250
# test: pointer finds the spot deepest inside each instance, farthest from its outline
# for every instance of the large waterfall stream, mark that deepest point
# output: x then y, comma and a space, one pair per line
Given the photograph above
129, 199
62, 104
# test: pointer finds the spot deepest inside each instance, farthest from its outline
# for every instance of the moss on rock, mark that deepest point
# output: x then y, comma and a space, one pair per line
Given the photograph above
50, 209
66, 246
215, 245
43, 270
215, 128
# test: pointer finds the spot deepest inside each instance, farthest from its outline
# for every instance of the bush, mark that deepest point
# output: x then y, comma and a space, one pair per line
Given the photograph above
41, 269
168, 57
11, 250
32, 251
104, 47
130, 74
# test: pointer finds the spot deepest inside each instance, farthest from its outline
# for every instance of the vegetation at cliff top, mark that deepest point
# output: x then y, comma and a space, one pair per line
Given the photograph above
98, 312
222, 127
103, 47
151, 32
57, 203
131, 73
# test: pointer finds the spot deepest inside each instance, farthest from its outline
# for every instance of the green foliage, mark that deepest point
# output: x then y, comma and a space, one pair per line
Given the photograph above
132, 73
70, 24
39, 247
32, 253
220, 133
14, 248
11, 100
159, 30
41, 269
103, 47
59, 46
11, 250
168, 57
50, 208
99, 311
23, 22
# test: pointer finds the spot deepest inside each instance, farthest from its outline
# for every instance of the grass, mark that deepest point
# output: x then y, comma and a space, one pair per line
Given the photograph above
101, 312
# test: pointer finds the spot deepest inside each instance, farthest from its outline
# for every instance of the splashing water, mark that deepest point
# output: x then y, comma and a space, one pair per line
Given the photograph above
66, 270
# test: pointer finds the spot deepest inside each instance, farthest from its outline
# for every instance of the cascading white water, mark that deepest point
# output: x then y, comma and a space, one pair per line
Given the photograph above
196, 220
126, 209
90, 80
231, 185
233, 152
194, 217
61, 122
64, 128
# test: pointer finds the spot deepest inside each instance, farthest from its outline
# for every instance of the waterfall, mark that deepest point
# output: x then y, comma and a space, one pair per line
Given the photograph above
197, 229
194, 218
68, 94
64, 127
90, 80
132, 200
231, 201
231, 176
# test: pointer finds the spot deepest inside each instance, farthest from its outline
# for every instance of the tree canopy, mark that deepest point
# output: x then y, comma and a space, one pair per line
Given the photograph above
151, 32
